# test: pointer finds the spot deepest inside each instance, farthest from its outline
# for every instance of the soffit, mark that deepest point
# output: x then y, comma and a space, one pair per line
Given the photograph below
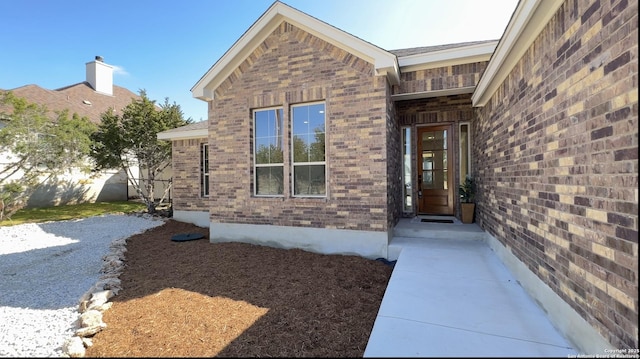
192, 130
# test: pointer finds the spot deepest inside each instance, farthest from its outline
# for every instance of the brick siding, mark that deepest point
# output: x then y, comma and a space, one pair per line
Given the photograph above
555, 157
186, 175
291, 67
440, 78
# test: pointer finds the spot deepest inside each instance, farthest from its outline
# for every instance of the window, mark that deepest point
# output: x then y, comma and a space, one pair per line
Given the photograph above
204, 170
268, 157
465, 150
308, 149
406, 173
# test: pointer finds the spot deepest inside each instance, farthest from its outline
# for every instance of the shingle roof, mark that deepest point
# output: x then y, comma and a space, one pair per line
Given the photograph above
79, 98
428, 49
202, 125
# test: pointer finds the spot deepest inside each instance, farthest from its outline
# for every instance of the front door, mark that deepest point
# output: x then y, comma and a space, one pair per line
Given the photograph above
435, 175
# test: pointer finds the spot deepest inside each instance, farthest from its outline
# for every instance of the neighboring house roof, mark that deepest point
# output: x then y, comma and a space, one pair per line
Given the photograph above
193, 130
79, 98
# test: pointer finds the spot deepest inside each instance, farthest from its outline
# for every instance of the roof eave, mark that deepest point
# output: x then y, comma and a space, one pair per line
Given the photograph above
448, 57
183, 135
527, 21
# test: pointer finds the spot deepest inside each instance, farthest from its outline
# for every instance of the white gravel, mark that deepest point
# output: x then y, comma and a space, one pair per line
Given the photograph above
44, 270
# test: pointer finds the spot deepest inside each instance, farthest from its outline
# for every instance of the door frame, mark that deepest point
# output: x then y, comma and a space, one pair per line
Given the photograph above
451, 168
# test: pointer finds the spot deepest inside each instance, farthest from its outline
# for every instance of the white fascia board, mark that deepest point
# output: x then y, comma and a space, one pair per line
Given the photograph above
527, 21
183, 135
266, 24
448, 57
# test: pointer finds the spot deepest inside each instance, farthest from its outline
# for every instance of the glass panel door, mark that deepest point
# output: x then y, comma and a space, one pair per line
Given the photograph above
435, 195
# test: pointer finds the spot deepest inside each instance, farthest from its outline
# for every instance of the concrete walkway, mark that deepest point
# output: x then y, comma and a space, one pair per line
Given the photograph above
451, 296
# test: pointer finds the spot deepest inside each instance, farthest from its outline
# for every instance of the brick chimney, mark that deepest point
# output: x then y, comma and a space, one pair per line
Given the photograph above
100, 76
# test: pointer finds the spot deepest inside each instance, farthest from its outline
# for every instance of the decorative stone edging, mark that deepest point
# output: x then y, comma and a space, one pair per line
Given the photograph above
95, 301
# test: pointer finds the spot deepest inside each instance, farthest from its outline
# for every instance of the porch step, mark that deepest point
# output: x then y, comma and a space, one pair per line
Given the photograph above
410, 231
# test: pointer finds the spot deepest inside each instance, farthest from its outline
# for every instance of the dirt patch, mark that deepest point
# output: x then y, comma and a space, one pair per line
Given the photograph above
198, 299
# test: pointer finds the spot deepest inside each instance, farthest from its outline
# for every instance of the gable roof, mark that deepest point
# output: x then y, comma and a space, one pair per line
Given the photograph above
79, 98
385, 62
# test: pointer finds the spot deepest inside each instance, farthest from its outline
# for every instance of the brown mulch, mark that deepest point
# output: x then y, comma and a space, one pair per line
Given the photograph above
202, 299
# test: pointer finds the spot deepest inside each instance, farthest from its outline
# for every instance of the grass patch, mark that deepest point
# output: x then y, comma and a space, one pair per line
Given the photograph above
75, 211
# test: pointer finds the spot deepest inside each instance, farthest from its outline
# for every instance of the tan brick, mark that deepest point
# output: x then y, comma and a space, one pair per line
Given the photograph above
603, 251
597, 215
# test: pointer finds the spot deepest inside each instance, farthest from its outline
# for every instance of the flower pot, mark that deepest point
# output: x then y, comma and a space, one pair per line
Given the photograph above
467, 210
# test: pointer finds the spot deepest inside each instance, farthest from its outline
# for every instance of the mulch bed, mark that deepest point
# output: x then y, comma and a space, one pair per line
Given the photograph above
202, 299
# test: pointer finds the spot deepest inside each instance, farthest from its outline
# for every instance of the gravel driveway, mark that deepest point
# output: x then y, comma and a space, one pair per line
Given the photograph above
44, 270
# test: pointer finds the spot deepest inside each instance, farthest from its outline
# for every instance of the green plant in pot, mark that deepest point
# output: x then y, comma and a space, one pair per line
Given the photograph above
467, 196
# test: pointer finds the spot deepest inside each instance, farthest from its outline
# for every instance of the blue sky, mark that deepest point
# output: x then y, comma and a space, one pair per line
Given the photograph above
165, 47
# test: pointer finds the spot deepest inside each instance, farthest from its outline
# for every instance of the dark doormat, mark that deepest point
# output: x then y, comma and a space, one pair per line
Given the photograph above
431, 220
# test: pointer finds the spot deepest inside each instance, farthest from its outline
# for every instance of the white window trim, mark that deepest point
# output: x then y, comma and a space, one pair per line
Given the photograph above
204, 170
468, 124
411, 168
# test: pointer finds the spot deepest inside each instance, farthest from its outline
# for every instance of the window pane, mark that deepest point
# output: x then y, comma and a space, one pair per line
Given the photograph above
316, 148
268, 123
204, 169
408, 192
464, 152
300, 149
268, 136
309, 180
269, 180
267, 151
308, 133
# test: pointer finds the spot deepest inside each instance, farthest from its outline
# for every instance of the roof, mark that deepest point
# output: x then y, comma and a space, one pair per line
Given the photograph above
192, 130
430, 49
79, 98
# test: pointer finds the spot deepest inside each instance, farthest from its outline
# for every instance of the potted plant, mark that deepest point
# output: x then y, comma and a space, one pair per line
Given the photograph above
467, 195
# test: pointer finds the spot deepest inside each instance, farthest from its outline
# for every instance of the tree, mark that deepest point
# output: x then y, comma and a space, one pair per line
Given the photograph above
36, 148
130, 140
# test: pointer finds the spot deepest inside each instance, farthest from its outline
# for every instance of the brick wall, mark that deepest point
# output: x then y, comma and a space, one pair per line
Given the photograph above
440, 78
555, 156
291, 67
186, 175
395, 185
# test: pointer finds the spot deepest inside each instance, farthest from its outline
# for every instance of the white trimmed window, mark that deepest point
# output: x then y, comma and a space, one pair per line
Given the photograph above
268, 159
308, 150
465, 150
204, 170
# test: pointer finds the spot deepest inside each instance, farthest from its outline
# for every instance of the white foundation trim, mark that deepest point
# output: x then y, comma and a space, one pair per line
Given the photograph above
578, 331
366, 244
199, 218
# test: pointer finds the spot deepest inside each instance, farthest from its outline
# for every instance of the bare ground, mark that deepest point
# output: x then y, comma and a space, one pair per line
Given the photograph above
200, 299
